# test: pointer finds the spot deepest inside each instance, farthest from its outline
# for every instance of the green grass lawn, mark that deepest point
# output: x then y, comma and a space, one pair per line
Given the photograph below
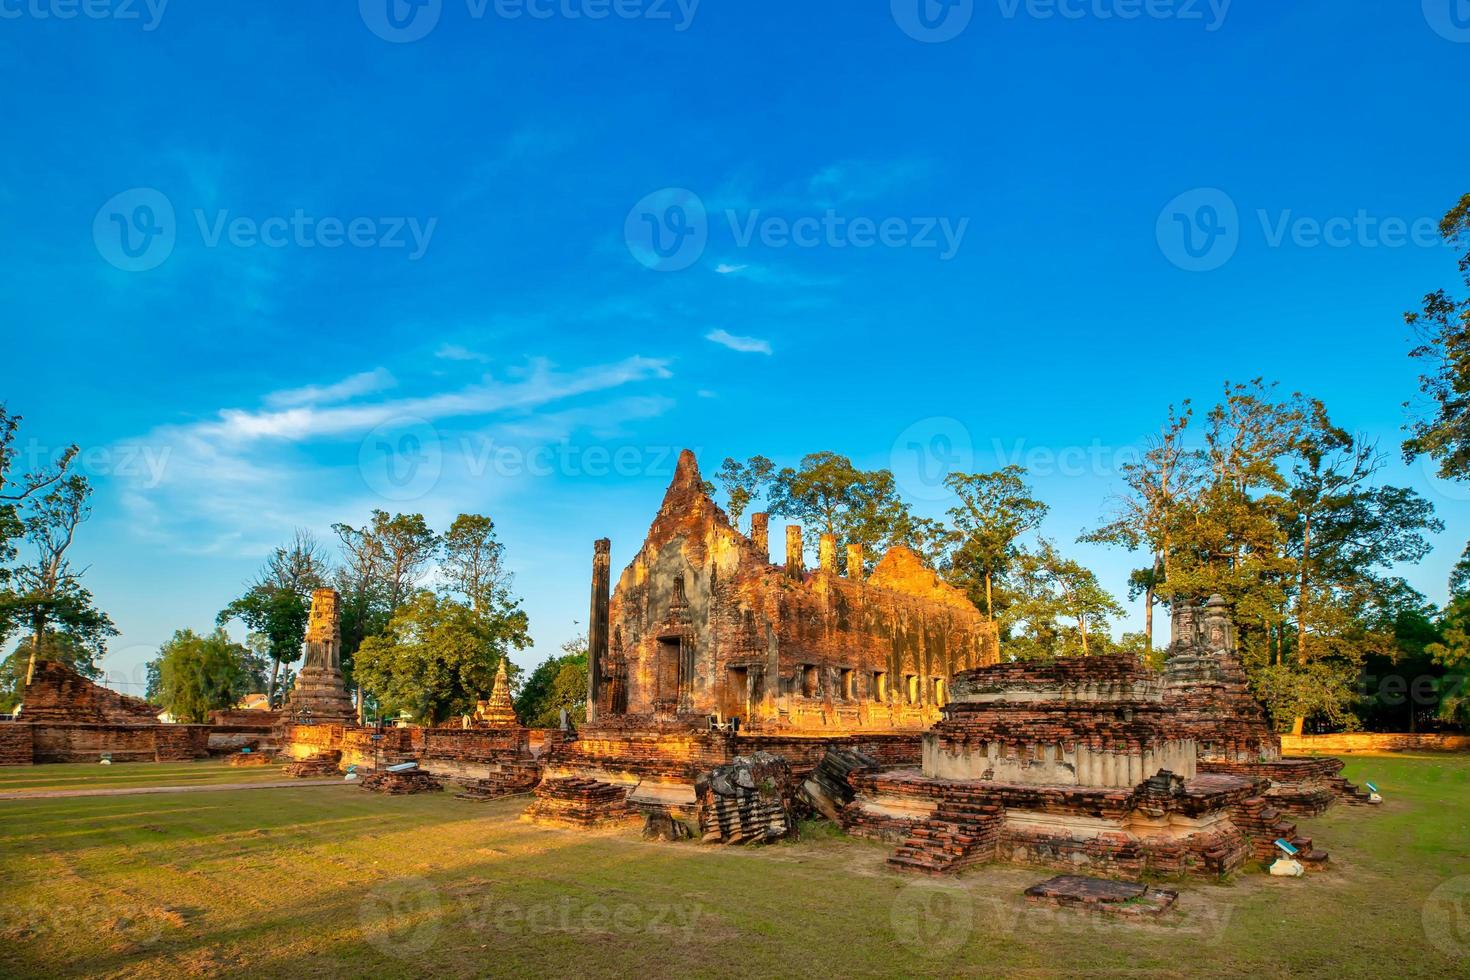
336, 882
130, 774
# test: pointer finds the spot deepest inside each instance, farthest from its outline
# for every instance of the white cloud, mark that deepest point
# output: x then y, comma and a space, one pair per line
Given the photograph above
746, 345
725, 268
345, 390
454, 352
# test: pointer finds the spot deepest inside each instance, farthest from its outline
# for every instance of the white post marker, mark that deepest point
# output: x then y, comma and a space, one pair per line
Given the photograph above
1287, 866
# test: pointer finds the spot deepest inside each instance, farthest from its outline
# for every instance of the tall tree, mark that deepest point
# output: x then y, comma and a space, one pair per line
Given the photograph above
473, 563
1443, 328
994, 511
559, 683
1059, 607
277, 605
827, 493
49, 594
744, 482
1167, 475
15, 490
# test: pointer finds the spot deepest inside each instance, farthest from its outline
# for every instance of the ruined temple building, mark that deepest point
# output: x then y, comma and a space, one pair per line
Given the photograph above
320, 694
702, 623
706, 651
1209, 697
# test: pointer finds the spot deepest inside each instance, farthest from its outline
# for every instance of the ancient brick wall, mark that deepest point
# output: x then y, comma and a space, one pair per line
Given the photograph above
1373, 742
15, 744
62, 742
58, 693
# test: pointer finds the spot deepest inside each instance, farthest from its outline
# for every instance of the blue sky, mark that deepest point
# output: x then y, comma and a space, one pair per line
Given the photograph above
963, 232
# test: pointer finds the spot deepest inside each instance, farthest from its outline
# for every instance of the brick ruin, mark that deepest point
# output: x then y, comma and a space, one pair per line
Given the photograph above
706, 653
702, 623
1209, 698
320, 694
1073, 764
67, 718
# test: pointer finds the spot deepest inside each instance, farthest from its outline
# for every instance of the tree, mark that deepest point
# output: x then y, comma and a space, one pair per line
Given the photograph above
995, 509
1167, 474
1060, 609
834, 497
50, 597
744, 482
472, 565
278, 605
1443, 327
382, 565
199, 674
15, 491
559, 683
437, 657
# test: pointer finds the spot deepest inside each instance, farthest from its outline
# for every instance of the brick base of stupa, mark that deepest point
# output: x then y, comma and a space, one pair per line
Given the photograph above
320, 695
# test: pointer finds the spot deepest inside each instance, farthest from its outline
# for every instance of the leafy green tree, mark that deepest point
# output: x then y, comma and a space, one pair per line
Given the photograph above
473, 564
1059, 609
1167, 475
16, 490
47, 594
827, 493
437, 657
994, 511
744, 482
560, 682
199, 674
1443, 327
277, 606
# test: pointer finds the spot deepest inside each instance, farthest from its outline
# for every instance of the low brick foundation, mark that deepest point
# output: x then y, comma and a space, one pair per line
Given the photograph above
1350, 742
15, 744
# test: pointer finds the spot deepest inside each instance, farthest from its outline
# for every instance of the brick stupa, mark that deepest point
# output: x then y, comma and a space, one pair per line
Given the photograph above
320, 694
498, 712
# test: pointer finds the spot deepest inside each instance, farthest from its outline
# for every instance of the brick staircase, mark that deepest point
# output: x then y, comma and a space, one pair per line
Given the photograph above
1263, 824
961, 833
508, 781
1351, 793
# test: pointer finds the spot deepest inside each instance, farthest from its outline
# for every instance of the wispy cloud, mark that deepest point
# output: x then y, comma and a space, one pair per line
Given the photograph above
726, 268
235, 482
454, 352
345, 390
746, 345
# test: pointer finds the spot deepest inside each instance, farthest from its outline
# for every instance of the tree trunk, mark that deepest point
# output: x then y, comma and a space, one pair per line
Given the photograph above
1148, 620
1301, 611
270, 697
38, 630
989, 606
1082, 628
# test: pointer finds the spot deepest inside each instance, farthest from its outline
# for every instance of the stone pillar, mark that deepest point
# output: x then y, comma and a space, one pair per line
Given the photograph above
794, 566
827, 553
760, 533
597, 624
855, 562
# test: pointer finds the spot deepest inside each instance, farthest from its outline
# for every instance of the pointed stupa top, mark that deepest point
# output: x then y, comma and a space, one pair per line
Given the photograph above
498, 712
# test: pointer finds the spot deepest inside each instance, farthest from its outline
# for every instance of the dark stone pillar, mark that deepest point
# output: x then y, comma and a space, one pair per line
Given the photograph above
597, 624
